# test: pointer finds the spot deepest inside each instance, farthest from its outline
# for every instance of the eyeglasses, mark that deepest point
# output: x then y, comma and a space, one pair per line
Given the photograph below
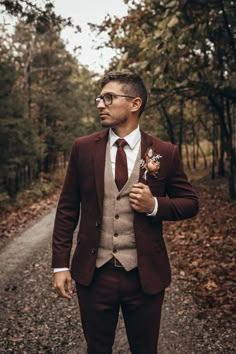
108, 98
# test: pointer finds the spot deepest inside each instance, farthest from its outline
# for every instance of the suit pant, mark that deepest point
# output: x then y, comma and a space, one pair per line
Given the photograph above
114, 288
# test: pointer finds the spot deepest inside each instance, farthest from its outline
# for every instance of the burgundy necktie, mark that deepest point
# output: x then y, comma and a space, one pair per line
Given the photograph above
121, 170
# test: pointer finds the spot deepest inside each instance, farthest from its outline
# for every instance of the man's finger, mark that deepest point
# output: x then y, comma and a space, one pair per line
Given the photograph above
65, 294
62, 292
139, 185
69, 286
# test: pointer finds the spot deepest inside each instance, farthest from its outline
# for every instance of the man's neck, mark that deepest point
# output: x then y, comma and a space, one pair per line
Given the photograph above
123, 131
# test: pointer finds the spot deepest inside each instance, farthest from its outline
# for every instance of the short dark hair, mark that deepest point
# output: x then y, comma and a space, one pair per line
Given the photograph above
132, 84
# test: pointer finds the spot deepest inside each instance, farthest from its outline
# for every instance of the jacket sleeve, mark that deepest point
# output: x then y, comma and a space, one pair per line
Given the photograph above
67, 214
181, 201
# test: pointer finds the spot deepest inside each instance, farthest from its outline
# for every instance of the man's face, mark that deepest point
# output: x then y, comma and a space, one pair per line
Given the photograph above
119, 112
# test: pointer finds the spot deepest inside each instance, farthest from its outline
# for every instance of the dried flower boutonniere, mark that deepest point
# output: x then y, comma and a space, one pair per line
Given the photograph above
150, 163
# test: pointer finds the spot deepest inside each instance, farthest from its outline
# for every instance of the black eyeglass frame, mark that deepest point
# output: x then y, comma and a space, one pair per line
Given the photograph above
111, 95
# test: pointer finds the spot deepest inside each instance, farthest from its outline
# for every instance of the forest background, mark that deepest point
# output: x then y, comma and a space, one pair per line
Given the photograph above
184, 50
186, 53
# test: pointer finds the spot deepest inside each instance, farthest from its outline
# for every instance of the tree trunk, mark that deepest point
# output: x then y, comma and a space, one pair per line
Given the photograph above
232, 182
169, 125
227, 132
181, 123
221, 165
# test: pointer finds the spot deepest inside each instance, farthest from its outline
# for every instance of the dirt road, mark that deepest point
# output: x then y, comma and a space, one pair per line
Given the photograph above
34, 320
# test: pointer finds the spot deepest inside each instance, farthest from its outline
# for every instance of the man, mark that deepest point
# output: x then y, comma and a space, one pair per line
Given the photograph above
121, 183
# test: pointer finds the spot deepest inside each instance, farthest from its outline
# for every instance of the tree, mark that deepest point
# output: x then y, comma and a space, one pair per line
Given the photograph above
43, 17
186, 53
18, 142
47, 99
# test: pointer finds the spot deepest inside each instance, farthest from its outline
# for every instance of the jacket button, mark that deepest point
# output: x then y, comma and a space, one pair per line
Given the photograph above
97, 224
93, 250
117, 216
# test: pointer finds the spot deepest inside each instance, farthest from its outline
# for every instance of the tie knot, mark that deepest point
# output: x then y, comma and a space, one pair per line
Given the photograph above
120, 143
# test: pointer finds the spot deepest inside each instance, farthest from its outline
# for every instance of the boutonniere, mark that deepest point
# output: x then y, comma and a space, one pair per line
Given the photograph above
150, 163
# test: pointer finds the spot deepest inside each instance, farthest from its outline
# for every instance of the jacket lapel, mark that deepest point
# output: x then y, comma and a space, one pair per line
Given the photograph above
99, 165
146, 142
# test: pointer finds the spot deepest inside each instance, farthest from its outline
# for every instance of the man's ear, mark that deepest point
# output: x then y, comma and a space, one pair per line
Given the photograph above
136, 104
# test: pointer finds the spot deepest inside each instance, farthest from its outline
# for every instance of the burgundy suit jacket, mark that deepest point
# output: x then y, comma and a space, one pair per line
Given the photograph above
82, 199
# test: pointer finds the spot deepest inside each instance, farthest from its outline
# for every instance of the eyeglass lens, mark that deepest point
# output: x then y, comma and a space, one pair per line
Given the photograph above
107, 99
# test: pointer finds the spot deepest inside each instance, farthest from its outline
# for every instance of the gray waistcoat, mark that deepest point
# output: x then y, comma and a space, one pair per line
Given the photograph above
117, 234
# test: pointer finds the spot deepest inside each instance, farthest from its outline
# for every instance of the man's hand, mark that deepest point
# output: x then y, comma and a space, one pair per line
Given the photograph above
62, 282
141, 198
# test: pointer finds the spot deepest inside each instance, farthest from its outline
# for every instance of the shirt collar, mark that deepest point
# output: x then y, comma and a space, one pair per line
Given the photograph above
132, 138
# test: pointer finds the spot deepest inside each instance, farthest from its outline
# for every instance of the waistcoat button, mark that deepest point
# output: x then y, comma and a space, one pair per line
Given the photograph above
115, 234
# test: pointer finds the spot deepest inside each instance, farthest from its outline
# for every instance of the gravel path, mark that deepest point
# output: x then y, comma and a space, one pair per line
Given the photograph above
34, 320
